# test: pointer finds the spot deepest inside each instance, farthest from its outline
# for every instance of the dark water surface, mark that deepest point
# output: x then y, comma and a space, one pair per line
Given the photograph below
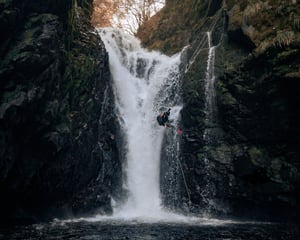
153, 231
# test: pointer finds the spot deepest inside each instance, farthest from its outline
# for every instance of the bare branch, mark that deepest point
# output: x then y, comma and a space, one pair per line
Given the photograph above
126, 14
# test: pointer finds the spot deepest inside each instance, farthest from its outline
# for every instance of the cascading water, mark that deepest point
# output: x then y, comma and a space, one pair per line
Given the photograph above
143, 83
210, 117
210, 92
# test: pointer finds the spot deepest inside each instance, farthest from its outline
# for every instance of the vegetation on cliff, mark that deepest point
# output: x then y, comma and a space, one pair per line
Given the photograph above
128, 15
177, 24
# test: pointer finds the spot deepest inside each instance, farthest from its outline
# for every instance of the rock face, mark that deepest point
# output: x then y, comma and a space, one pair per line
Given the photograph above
240, 152
57, 127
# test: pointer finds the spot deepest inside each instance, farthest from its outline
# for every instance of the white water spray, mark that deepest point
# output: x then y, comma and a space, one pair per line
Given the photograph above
210, 95
143, 82
210, 92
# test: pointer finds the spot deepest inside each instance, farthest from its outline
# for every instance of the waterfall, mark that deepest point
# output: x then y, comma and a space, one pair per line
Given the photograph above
144, 83
210, 92
209, 189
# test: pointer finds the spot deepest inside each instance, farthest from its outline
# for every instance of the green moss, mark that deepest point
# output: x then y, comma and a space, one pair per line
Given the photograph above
258, 157
200, 156
63, 128
228, 99
225, 95
274, 171
10, 95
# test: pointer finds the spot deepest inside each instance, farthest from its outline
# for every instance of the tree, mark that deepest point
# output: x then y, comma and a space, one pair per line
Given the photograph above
126, 14
133, 13
103, 12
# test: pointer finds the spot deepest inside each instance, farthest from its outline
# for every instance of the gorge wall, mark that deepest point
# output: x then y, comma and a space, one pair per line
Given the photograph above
57, 129
58, 144
249, 166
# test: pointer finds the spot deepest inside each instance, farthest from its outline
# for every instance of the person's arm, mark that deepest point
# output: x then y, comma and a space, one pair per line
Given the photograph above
167, 113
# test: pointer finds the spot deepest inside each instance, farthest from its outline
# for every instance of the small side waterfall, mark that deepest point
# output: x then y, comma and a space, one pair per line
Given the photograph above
144, 82
209, 189
210, 91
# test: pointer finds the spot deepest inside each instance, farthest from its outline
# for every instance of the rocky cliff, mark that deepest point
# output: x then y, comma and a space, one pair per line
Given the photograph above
56, 123
241, 151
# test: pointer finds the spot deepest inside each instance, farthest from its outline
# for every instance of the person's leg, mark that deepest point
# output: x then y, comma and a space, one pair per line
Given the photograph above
169, 125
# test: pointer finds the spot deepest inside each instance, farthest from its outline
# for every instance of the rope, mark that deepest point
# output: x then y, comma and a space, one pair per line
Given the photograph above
185, 184
201, 43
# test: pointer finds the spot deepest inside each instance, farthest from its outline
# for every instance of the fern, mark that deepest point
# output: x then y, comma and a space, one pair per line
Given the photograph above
284, 38
296, 23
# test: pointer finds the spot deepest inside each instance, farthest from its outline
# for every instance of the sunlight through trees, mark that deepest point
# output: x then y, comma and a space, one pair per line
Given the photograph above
126, 14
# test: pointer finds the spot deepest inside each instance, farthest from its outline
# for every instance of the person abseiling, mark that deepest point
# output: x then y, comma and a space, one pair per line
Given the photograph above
163, 118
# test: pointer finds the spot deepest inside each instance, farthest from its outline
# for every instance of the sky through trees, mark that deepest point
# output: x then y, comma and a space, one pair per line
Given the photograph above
125, 14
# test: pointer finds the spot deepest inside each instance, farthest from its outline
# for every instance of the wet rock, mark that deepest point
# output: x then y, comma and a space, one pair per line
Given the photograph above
55, 91
251, 157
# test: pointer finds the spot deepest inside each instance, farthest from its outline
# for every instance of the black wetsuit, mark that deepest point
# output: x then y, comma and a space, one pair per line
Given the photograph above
164, 118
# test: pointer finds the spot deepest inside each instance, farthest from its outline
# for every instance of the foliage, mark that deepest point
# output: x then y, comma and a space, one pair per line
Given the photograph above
126, 14
284, 38
103, 12
296, 23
